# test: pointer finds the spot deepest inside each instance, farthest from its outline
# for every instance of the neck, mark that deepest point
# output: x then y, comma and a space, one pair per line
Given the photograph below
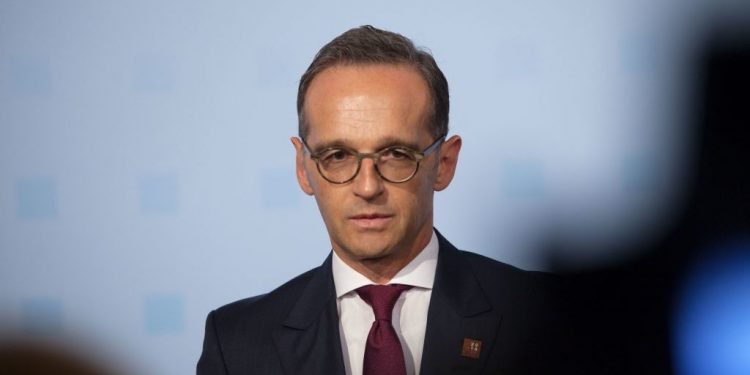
381, 270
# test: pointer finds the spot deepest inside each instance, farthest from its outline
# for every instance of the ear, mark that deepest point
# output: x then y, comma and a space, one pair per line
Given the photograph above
302, 175
447, 164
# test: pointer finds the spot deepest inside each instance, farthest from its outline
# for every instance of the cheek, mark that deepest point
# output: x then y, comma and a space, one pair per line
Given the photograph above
329, 203
425, 193
424, 186
416, 199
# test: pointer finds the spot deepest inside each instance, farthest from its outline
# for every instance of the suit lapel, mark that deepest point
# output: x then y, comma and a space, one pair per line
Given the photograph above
308, 341
458, 310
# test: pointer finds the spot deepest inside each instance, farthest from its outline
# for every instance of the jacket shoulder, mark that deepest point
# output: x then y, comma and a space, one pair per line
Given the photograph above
262, 309
501, 279
239, 335
487, 266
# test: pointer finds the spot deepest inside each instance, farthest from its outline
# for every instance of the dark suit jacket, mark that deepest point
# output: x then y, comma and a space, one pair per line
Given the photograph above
295, 330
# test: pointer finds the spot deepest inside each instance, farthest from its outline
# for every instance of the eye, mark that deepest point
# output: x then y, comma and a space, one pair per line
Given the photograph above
397, 153
335, 155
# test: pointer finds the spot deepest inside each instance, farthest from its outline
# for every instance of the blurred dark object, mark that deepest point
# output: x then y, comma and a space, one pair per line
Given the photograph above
28, 358
623, 312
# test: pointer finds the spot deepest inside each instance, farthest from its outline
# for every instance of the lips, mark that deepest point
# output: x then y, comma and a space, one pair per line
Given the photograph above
371, 221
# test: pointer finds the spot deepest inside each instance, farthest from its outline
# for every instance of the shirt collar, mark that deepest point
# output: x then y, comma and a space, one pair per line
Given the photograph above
420, 272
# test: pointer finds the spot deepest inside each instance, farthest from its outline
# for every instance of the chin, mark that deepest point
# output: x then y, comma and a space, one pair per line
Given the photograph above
370, 253
368, 250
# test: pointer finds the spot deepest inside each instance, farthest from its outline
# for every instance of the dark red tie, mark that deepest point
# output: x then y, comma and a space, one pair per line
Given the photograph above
383, 353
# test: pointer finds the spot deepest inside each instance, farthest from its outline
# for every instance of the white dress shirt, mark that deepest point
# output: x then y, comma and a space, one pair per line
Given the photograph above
409, 314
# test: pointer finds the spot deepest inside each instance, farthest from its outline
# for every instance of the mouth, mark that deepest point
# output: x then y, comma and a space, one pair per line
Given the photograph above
371, 221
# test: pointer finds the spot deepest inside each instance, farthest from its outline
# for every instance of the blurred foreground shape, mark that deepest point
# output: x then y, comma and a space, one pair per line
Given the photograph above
30, 358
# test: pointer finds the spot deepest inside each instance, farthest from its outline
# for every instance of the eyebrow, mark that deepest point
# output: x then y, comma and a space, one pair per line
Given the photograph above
382, 144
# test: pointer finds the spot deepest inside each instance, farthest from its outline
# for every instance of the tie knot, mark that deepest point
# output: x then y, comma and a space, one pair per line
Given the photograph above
382, 298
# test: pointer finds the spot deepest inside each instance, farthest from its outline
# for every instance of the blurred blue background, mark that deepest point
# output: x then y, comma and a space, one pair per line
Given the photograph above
146, 173
713, 326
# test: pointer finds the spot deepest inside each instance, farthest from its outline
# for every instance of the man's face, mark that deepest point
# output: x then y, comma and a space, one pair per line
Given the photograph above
367, 108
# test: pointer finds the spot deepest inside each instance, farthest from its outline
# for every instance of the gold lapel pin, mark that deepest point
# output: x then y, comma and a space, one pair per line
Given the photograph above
471, 348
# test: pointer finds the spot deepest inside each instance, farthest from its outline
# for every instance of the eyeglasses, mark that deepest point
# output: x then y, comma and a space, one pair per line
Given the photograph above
394, 164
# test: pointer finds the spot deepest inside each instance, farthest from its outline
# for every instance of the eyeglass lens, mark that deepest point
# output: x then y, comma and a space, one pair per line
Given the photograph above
394, 164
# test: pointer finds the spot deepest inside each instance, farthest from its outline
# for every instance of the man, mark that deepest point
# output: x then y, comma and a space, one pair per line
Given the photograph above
372, 150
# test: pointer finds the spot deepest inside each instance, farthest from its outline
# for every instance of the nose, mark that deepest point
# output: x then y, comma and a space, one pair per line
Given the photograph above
367, 184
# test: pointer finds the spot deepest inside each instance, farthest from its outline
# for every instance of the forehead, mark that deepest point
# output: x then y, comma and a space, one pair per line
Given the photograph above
367, 102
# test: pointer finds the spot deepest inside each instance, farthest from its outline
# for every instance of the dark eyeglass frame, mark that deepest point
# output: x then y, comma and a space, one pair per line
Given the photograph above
375, 156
